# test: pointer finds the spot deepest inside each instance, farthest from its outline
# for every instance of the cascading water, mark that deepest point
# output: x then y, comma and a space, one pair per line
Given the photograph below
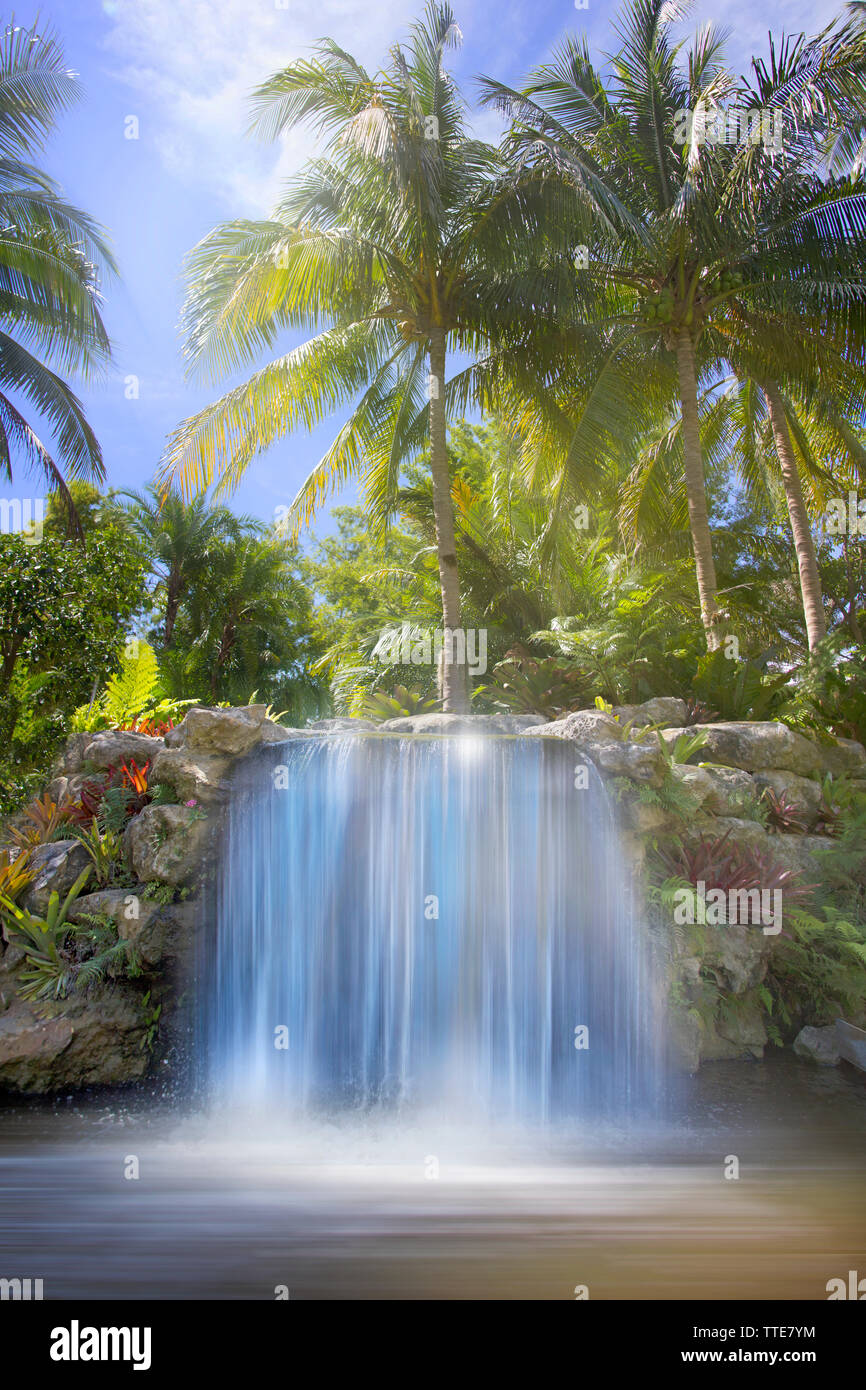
440, 920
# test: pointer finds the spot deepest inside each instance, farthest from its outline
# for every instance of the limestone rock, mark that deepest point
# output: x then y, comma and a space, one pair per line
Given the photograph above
71, 759
193, 776
697, 781
640, 762
754, 746
818, 1045
585, 726
803, 791
166, 843
739, 1035
221, 731
115, 747
844, 755
664, 709
748, 832
56, 866
136, 919
801, 852
82, 1042
740, 955
733, 793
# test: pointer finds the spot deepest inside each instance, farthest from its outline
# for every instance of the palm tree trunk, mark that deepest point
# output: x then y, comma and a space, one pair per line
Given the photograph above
172, 605
693, 464
452, 675
807, 560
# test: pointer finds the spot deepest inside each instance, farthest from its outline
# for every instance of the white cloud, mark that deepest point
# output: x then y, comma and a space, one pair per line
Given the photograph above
192, 65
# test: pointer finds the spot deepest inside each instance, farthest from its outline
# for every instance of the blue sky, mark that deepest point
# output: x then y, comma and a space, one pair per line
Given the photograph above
184, 69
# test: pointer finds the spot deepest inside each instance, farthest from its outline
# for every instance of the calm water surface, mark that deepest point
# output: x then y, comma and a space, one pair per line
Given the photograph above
415, 1206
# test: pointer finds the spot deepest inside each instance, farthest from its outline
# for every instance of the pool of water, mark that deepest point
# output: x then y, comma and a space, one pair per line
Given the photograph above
418, 1205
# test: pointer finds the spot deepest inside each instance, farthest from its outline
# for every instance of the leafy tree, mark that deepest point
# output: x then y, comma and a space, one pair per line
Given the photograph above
179, 539
702, 253
245, 629
405, 239
64, 612
50, 258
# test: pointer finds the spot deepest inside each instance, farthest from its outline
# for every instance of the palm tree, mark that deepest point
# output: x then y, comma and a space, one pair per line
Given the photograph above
406, 239
50, 258
179, 539
241, 609
706, 253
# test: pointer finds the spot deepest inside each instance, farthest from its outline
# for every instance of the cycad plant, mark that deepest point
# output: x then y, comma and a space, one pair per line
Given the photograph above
51, 255
407, 242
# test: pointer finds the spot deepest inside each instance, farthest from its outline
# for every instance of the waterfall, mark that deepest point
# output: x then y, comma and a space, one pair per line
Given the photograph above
427, 920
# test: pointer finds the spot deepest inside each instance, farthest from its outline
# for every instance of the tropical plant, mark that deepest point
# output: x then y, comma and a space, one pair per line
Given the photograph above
381, 705
130, 699
698, 712
245, 627
49, 971
683, 747
742, 687
785, 816
43, 820
15, 873
718, 862
178, 537
104, 849
404, 238
64, 609
829, 695
536, 685
721, 252
51, 255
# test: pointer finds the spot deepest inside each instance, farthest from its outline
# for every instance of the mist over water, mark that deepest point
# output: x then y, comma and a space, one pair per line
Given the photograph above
428, 920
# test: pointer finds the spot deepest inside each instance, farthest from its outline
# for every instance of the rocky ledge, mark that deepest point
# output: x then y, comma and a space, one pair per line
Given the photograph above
110, 1035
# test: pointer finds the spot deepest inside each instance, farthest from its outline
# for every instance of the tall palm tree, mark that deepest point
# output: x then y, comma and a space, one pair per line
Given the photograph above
708, 252
407, 241
51, 255
179, 539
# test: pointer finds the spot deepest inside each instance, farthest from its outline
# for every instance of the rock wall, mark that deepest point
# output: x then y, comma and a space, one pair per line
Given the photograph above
124, 1029
121, 1031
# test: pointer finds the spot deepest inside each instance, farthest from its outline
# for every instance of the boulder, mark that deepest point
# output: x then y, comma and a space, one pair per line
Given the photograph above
733, 792
222, 731
803, 791
72, 758
56, 866
82, 1042
844, 755
115, 747
696, 780
801, 852
167, 844
818, 1045
585, 726
754, 746
739, 956
664, 709
192, 776
640, 762
739, 1034
136, 919
748, 832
